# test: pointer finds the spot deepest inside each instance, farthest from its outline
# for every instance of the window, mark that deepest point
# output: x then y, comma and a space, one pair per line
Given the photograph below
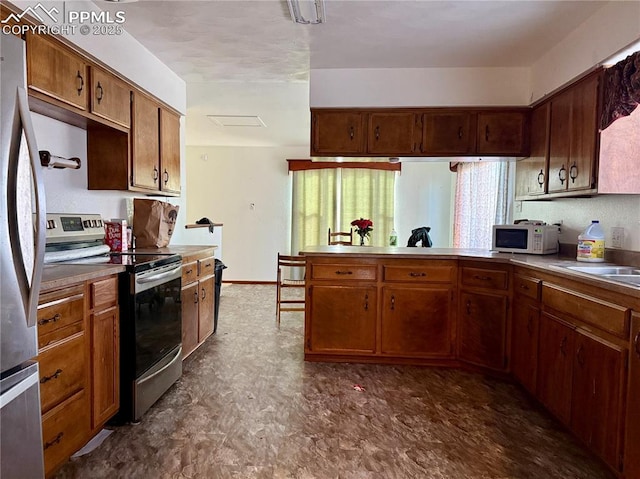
483, 198
334, 196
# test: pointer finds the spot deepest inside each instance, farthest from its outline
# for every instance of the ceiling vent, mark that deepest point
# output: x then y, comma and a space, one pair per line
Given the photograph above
237, 120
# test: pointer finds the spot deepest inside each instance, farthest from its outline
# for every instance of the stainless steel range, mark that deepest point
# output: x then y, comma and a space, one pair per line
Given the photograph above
150, 308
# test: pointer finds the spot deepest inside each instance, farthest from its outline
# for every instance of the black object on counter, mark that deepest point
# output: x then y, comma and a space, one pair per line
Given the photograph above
420, 234
219, 266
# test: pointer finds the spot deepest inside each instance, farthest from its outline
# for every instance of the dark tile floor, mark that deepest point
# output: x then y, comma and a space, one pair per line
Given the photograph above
248, 406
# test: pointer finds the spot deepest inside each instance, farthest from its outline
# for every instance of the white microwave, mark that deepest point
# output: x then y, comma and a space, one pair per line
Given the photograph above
525, 238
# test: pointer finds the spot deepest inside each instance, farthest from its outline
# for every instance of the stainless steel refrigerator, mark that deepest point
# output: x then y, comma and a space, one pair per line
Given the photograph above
21, 261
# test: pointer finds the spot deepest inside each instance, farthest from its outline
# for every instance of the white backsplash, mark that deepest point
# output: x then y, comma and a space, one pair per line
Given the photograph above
577, 213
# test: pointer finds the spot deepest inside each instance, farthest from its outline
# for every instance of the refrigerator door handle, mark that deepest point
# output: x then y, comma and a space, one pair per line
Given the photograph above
40, 221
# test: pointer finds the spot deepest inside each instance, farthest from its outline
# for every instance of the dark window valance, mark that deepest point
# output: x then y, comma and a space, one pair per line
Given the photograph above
621, 89
298, 165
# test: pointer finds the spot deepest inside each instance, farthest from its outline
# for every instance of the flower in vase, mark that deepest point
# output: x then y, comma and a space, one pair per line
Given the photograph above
363, 228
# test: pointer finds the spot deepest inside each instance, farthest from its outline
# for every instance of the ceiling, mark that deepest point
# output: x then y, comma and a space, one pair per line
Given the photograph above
248, 57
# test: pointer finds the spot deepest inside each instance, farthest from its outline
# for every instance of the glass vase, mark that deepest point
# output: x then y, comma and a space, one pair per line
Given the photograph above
362, 240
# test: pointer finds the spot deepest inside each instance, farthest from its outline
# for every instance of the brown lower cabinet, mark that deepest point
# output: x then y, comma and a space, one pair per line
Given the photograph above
198, 301
78, 335
525, 325
632, 439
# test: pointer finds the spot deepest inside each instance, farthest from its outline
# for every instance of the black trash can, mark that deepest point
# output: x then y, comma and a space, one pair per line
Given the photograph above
219, 266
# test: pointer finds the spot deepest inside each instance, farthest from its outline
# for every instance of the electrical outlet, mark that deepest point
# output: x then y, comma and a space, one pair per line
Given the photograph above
617, 237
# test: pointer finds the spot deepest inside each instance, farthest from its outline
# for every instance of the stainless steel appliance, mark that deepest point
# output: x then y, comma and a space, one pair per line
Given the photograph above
21, 263
530, 238
150, 307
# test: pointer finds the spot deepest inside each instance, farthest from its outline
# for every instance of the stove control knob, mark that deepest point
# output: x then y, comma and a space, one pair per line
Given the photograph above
100, 223
86, 224
49, 224
54, 225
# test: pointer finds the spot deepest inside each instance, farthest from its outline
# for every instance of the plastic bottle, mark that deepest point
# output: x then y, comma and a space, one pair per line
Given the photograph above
393, 238
591, 243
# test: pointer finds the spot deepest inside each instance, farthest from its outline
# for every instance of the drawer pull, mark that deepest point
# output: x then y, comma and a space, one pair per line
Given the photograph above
53, 376
417, 275
208, 265
636, 342
344, 272
189, 271
58, 438
524, 286
55, 319
482, 278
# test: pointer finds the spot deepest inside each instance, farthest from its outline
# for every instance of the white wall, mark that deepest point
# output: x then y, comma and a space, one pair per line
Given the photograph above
222, 189
577, 213
424, 198
612, 28
414, 87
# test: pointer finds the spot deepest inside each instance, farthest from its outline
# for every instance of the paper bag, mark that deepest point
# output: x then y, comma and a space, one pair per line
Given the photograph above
153, 222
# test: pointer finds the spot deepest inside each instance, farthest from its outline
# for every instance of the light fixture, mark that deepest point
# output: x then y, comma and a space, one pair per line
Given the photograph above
300, 10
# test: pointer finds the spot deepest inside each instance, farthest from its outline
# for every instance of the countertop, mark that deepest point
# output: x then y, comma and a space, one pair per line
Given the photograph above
60, 275
553, 263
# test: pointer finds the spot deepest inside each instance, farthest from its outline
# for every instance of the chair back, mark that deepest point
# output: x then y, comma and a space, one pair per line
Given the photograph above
287, 277
340, 237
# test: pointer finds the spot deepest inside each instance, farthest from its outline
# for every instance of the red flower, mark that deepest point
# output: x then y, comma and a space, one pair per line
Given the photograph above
363, 227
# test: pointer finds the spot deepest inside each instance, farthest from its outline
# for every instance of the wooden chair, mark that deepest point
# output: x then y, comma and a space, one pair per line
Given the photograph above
340, 237
287, 265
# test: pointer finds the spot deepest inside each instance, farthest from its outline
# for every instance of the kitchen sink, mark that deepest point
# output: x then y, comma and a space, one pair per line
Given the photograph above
607, 270
626, 278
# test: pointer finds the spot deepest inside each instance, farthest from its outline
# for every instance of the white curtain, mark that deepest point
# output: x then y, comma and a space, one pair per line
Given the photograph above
483, 198
333, 197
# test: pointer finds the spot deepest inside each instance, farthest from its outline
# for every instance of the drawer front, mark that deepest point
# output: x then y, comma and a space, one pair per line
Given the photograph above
344, 272
65, 429
206, 267
606, 316
62, 371
189, 272
419, 274
104, 293
55, 318
485, 278
526, 286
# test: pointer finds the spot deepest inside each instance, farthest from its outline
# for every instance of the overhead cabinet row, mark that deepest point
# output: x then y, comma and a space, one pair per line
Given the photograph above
419, 132
133, 140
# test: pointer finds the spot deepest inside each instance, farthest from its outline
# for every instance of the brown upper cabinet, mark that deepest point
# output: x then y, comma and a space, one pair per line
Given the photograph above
110, 97
564, 143
393, 133
339, 132
170, 151
449, 133
56, 71
420, 132
502, 133
145, 143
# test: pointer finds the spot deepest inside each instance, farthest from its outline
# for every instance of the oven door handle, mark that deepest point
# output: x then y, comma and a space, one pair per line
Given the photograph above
163, 368
159, 276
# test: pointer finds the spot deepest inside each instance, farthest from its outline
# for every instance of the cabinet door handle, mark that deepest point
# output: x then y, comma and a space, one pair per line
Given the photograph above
563, 346
57, 439
80, 83
99, 93
393, 302
344, 272
573, 172
580, 355
55, 319
636, 343
377, 133
541, 179
166, 176
366, 302
195, 297
204, 294
352, 132
156, 174
55, 375
486, 133
468, 305
524, 286
562, 175
417, 275
460, 133
482, 278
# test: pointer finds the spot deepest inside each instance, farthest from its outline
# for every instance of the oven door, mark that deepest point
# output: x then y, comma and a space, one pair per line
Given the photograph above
158, 315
